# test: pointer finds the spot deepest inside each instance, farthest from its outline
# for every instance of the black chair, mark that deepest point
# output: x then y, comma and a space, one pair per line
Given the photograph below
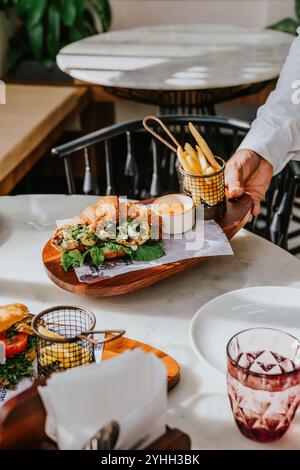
130, 161
286, 208
278, 209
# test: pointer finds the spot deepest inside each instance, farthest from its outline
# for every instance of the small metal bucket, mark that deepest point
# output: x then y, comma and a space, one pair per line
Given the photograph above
65, 338
208, 190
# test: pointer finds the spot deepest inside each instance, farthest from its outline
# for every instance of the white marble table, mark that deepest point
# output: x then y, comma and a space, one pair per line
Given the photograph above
177, 57
159, 315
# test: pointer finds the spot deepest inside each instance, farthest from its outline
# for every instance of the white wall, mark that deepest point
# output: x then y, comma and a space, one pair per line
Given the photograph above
130, 13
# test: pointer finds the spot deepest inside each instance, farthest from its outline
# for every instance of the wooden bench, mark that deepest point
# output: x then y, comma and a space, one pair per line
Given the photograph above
32, 119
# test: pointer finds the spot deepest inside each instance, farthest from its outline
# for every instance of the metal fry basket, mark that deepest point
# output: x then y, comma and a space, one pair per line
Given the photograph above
208, 189
65, 338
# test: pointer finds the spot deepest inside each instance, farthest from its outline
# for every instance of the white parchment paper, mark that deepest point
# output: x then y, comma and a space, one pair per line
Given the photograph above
206, 239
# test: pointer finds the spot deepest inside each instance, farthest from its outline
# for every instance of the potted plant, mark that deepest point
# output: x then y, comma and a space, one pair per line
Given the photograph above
289, 25
6, 26
44, 27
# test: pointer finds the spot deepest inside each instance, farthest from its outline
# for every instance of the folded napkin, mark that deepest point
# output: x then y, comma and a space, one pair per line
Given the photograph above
130, 389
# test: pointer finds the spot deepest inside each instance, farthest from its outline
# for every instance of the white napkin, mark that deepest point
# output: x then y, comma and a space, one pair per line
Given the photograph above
130, 389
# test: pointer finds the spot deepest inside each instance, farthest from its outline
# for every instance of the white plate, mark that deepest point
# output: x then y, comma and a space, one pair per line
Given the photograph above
221, 318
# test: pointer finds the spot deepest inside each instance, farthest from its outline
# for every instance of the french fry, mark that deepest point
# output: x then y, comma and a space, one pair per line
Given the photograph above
193, 160
190, 151
194, 165
204, 147
209, 171
203, 162
182, 159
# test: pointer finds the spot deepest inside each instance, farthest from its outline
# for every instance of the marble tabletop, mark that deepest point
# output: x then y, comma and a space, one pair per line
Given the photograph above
177, 57
159, 315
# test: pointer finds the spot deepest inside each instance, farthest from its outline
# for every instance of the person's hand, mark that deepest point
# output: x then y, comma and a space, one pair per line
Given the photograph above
247, 172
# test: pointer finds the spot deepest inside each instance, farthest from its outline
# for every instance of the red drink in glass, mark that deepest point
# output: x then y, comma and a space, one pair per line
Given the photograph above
263, 382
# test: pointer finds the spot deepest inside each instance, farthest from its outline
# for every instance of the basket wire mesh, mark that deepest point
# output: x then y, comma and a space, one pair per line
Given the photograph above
208, 189
63, 350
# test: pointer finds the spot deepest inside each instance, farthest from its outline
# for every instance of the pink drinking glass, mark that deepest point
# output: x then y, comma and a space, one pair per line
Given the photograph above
263, 378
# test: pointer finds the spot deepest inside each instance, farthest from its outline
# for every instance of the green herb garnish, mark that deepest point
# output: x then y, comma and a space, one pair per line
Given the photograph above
97, 255
149, 251
15, 368
73, 258
119, 248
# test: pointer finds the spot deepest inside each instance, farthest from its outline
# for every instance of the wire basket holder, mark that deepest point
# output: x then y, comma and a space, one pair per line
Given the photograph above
208, 189
65, 338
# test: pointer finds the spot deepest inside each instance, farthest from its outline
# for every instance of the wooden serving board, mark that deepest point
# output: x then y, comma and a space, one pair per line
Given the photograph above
120, 345
22, 418
232, 221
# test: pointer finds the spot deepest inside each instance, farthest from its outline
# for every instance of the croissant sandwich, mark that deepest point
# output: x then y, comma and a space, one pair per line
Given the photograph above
109, 229
17, 344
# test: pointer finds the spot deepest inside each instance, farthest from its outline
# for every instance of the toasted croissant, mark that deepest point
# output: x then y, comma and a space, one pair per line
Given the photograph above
11, 314
102, 218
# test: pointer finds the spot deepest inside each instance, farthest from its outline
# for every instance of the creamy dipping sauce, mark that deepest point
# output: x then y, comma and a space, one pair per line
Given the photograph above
172, 205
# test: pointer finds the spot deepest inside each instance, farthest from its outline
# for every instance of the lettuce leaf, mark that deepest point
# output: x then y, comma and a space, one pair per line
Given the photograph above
72, 258
97, 255
149, 251
119, 248
75, 258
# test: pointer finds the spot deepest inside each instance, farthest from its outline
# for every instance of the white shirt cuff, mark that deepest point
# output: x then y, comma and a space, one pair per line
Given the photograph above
270, 143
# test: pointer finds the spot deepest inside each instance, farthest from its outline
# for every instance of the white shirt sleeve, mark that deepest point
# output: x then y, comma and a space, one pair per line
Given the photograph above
275, 133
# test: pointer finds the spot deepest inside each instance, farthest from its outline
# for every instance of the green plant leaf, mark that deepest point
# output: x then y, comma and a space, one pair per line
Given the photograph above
14, 56
76, 33
104, 12
45, 26
36, 39
94, 11
107, 14
49, 62
53, 36
35, 11
119, 248
20, 7
97, 255
80, 5
68, 12
297, 9
149, 252
72, 258
287, 25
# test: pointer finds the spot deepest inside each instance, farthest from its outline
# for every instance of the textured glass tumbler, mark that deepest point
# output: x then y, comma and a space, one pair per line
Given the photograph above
263, 381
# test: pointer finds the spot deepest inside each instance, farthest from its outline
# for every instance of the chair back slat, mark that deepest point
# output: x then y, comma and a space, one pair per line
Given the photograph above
131, 167
69, 175
90, 184
155, 187
110, 187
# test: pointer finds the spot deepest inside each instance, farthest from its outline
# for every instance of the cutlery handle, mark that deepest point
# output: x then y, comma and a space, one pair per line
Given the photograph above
115, 335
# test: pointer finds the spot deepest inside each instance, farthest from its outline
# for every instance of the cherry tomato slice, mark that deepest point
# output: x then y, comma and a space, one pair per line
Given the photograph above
16, 344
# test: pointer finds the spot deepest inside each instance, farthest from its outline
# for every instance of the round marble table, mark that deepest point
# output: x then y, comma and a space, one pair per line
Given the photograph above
159, 315
178, 65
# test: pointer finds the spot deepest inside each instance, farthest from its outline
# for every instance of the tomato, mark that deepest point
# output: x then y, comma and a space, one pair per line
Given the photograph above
2, 335
16, 344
